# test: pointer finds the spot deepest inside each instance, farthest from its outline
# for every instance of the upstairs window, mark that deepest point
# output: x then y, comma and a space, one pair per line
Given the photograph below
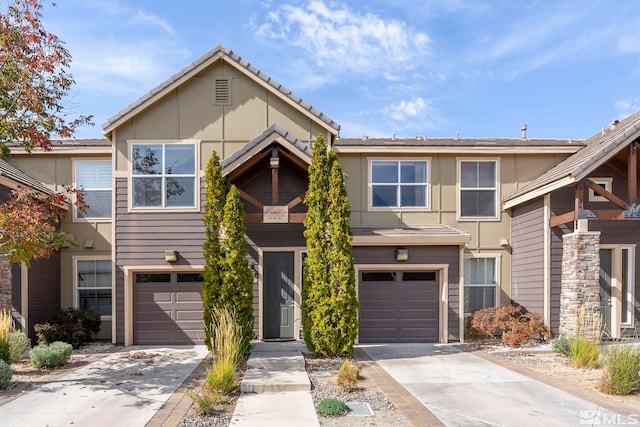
93, 177
163, 175
478, 189
399, 184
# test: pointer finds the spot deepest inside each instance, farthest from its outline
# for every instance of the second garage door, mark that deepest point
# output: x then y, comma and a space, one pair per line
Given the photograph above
168, 308
398, 306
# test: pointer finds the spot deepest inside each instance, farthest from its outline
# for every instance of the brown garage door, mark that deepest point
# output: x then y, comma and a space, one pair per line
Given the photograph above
168, 308
397, 306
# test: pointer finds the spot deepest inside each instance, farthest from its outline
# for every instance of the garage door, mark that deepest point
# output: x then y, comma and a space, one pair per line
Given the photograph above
398, 306
168, 308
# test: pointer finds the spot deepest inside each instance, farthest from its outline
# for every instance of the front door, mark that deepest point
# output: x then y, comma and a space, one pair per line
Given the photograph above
278, 296
606, 269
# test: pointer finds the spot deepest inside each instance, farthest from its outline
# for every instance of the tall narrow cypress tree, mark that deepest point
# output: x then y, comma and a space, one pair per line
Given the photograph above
212, 218
236, 292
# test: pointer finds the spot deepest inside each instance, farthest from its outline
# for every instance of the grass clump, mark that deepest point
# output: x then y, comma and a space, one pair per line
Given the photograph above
5, 375
584, 353
228, 351
562, 345
620, 369
205, 400
348, 375
332, 407
50, 356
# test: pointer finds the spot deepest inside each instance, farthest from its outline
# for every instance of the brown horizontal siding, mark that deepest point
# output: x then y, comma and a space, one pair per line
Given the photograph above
527, 277
448, 255
562, 201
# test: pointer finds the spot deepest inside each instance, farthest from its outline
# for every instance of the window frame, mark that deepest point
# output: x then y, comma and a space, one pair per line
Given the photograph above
628, 297
76, 217
606, 183
76, 288
197, 175
460, 189
398, 185
497, 272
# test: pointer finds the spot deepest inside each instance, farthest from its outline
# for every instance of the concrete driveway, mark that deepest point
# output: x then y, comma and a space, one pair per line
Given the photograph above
123, 388
462, 389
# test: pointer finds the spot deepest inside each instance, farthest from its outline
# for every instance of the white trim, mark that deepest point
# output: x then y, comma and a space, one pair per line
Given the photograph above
114, 319
541, 191
370, 184
546, 231
498, 212
197, 176
606, 183
443, 286
403, 149
129, 271
74, 272
74, 217
461, 322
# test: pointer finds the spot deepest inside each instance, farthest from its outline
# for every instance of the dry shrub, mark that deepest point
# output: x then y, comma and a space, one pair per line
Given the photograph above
516, 327
348, 375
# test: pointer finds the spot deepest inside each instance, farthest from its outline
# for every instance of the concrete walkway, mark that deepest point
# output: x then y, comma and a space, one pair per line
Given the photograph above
123, 388
275, 390
462, 389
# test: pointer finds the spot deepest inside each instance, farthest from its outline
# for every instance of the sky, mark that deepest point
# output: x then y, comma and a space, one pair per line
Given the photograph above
429, 68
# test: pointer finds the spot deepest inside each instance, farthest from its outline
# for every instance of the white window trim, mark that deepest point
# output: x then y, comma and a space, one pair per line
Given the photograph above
631, 265
606, 183
459, 189
370, 184
198, 176
498, 258
74, 263
75, 217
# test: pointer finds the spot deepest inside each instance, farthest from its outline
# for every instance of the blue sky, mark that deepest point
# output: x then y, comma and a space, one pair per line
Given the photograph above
430, 68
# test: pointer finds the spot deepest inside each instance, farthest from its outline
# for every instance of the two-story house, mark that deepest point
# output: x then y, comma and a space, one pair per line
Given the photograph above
442, 227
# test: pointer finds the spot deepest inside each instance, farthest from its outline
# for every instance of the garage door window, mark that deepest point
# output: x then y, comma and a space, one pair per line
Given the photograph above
480, 283
93, 284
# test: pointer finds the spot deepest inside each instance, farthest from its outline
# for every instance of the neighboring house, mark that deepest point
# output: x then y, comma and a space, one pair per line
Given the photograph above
442, 227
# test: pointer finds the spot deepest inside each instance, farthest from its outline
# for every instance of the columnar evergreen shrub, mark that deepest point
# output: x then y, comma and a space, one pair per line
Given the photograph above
329, 306
212, 218
5, 374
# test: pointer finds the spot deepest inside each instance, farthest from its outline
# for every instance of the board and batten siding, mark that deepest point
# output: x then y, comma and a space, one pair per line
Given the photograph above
527, 258
447, 255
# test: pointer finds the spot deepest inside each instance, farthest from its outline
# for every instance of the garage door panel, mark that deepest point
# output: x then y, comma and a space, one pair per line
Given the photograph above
189, 315
188, 297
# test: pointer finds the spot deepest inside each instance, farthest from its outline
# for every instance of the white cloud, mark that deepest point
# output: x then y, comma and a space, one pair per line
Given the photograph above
339, 39
404, 110
628, 106
145, 17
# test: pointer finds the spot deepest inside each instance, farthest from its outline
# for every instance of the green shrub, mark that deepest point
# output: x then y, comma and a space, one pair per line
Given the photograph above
19, 343
205, 400
5, 351
50, 356
5, 375
72, 325
584, 353
332, 407
348, 375
562, 345
221, 377
620, 369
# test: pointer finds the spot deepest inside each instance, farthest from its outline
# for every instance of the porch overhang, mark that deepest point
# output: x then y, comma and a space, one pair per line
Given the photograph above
439, 234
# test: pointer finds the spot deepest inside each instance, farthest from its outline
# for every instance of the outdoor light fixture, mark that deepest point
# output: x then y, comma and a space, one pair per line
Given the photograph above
274, 162
171, 255
402, 254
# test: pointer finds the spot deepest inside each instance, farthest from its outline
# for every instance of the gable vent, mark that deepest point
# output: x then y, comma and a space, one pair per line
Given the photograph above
222, 91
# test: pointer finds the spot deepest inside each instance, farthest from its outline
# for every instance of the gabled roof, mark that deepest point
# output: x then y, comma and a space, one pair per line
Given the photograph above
273, 133
18, 178
209, 58
597, 151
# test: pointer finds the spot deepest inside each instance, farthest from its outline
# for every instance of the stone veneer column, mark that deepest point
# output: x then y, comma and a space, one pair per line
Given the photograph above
5, 283
580, 284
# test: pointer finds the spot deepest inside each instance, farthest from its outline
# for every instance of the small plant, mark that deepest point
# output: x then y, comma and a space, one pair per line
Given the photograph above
5, 351
19, 343
332, 407
50, 356
5, 375
6, 324
620, 369
73, 325
348, 375
221, 377
228, 349
561, 345
584, 353
517, 327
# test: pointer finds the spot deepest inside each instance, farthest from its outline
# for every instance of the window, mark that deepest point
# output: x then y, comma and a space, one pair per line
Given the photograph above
93, 284
478, 189
164, 175
93, 177
480, 283
399, 183
606, 183
627, 284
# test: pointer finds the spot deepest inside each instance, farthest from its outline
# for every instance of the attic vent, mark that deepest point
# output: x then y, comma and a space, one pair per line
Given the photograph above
222, 91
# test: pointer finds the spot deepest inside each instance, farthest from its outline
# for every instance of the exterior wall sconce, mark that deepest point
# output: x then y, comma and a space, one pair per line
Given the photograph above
171, 255
402, 254
274, 162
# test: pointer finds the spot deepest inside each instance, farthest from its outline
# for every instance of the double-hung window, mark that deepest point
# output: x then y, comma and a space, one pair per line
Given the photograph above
163, 175
93, 177
399, 184
93, 285
480, 283
478, 188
